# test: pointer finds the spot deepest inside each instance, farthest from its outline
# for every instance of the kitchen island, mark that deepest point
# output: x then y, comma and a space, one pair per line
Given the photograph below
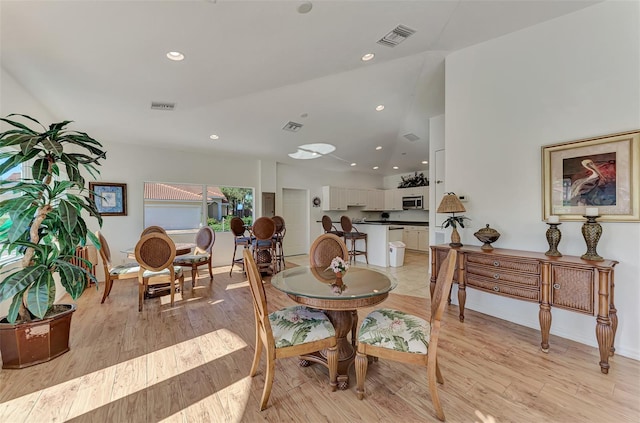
379, 234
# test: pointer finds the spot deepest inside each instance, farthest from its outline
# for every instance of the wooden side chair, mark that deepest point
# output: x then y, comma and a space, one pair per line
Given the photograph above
263, 245
155, 253
278, 238
203, 254
329, 227
352, 234
325, 248
415, 341
239, 239
282, 336
111, 272
152, 230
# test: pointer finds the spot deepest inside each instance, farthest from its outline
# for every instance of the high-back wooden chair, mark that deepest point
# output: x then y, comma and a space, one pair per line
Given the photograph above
239, 239
351, 233
203, 254
415, 341
329, 227
152, 230
278, 238
287, 332
263, 245
325, 248
111, 272
155, 253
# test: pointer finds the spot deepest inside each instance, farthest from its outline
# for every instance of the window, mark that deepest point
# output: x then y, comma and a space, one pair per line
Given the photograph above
187, 207
12, 174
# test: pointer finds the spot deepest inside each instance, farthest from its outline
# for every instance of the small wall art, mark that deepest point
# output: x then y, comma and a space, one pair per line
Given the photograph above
110, 198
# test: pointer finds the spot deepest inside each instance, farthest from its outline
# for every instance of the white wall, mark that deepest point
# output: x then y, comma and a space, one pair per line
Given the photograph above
574, 77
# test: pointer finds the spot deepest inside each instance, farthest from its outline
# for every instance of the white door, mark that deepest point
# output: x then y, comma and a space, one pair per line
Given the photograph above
295, 212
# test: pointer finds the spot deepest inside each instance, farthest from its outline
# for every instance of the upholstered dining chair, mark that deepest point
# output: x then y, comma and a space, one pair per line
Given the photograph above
111, 272
325, 248
152, 229
155, 253
278, 238
329, 227
287, 332
239, 239
399, 336
351, 233
263, 245
203, 254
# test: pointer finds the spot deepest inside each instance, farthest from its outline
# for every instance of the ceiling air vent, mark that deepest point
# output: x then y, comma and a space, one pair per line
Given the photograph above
156, 105
292, 126
411, 137
396, 36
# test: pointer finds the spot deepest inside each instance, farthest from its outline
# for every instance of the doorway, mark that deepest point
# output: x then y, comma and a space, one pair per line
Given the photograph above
268, 204
295, 212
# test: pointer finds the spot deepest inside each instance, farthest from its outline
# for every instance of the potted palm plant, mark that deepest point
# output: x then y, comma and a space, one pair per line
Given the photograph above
43, 221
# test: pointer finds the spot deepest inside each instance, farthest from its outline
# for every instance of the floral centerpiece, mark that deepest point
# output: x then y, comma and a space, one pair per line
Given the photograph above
339, 267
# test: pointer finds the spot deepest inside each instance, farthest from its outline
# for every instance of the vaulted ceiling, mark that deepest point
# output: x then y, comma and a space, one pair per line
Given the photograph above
251, 67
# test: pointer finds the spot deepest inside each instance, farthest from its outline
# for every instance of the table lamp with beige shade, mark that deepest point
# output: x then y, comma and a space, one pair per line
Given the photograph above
451, 204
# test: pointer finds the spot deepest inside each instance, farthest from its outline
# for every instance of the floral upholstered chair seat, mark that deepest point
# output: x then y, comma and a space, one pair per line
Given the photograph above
189, 259
123, 269
298, 325
395, 330
149, 273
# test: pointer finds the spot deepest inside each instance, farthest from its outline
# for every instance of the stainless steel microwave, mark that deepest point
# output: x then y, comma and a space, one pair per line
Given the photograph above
412, 203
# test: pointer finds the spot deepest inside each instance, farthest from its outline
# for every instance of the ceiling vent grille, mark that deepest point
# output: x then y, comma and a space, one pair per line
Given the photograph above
292, 126
156, 105
396, 36
411, 137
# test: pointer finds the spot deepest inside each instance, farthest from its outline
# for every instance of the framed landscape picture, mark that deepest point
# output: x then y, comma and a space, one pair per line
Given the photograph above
601, 172
110, 198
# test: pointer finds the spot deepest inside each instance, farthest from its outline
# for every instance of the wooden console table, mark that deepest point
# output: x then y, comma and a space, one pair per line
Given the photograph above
566, 282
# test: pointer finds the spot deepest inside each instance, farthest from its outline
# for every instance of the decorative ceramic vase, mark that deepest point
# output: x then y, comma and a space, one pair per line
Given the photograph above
553, 238
591, 231
487, 235
338, 281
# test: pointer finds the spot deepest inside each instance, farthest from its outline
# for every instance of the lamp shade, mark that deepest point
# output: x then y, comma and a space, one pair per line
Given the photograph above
450, 204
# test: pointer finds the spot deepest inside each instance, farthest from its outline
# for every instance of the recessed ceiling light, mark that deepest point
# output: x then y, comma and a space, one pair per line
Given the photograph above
305, 7
368, 57
395, 167
353, 164
375, 168
425, 162
214, 136
175, 55
379, 147
380, 108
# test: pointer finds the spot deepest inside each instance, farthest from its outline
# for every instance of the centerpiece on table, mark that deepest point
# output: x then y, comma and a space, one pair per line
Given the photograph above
339, 267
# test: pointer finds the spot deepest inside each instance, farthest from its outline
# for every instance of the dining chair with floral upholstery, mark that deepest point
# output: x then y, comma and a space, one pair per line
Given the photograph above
155, 253
288, 332
152, 229
111, 272
399, 336
325, 248
202, 254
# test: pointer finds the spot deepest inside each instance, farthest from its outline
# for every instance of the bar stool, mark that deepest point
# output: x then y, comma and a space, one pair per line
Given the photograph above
278, 238
238, 230
264, 254
329, 228
352, 234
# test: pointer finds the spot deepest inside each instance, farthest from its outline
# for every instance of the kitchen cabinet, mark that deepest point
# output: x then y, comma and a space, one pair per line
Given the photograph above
393, 199
334, 198
416, 238
375, 200
356, 197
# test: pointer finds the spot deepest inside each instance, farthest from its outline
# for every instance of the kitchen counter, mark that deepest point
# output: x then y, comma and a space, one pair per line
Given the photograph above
391, 222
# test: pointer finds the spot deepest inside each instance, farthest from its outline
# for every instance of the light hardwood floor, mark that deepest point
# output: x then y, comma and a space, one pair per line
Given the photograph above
190, 364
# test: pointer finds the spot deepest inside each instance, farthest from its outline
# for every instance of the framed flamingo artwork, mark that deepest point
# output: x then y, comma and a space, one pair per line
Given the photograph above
595, 176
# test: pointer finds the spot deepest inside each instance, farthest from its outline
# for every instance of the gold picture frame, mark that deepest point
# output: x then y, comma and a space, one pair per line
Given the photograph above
601, 172
110, 198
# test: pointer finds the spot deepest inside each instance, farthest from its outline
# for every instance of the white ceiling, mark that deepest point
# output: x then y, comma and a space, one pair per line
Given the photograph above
251, 67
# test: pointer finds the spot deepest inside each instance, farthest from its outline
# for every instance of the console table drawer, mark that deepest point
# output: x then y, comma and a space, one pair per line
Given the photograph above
498, 275
505, 263
494, 287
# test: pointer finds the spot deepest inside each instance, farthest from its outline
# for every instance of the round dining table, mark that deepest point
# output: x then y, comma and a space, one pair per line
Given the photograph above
315, 287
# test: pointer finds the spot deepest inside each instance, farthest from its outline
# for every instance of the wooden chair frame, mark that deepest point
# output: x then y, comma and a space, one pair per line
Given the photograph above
430, 361
205, 238
237, 228
264, 337
152, 230
105, 254
352, 234
325, 241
